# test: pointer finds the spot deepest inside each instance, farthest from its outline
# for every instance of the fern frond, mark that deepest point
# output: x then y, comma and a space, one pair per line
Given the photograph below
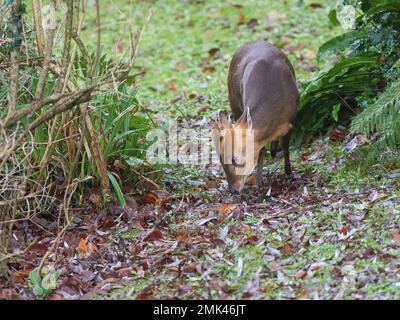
342, 42
383, 117
343, 82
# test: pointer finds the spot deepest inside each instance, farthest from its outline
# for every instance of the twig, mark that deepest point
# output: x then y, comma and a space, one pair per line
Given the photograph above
37, 22
15, 57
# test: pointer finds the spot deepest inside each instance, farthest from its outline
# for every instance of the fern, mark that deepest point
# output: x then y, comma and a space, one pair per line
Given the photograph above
342, 42
344, 82
382, 117
368, 56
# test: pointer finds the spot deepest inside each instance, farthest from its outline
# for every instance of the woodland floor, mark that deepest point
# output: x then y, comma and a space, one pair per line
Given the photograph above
332, 230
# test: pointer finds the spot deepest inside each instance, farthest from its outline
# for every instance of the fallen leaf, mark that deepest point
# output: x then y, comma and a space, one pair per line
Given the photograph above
358, 140
251, 180
92, 248
252, 23
301, 274
193, 95
182, 234
239, 267
82, 248
87, 275
154, 235
134, 249
214, 51
396, 235
119, 165
344, 230
55, 296
124, 272
225, 207
373, 196
241, 18
287, 248
211, 184
394, 174
208, 69
156, 197
172, 85
224, 233
316, 5
337, 135
6, 294
315, 155
95, 198
205, 220
303, 234
131, 203
236, 5
21, 275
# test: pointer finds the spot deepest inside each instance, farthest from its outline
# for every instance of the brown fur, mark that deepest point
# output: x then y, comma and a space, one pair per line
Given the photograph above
263, 97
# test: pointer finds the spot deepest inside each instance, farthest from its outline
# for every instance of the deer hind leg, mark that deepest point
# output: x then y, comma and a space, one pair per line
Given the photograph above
285, 140
274, 148
260, 163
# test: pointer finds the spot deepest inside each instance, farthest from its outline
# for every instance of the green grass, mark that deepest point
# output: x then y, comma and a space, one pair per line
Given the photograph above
177, 42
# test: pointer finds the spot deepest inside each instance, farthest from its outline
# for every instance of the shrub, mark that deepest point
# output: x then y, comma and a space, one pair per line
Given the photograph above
368, 63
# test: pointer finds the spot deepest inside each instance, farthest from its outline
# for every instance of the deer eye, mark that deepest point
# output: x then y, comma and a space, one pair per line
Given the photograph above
234, 161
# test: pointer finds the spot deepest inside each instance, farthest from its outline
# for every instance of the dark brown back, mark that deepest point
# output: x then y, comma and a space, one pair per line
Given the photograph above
262, 79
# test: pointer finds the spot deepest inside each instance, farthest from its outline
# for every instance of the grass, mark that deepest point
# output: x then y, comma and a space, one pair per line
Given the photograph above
184, 38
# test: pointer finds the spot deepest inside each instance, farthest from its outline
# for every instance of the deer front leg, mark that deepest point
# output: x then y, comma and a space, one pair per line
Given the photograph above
260, 163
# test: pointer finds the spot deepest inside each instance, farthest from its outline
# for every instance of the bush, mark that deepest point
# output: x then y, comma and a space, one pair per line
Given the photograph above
368, 63
66, 116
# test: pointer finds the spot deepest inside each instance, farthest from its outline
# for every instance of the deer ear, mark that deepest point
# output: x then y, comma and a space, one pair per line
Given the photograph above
249, 119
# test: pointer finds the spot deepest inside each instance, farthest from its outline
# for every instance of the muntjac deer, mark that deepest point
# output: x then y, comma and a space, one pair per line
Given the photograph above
263, 97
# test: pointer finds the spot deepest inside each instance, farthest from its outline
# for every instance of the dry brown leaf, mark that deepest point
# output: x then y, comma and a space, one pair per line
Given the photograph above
124, 272
213, 52
134, 249
82, 247
152, 197
301, 274
55, 296
252, 23
202, 109
95, 198
193, 95
225, 207
316, 5
154, 235
344, 230
251, 180
172, 85
241, 18
287, 248
337, 135
208, 69
92, 248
